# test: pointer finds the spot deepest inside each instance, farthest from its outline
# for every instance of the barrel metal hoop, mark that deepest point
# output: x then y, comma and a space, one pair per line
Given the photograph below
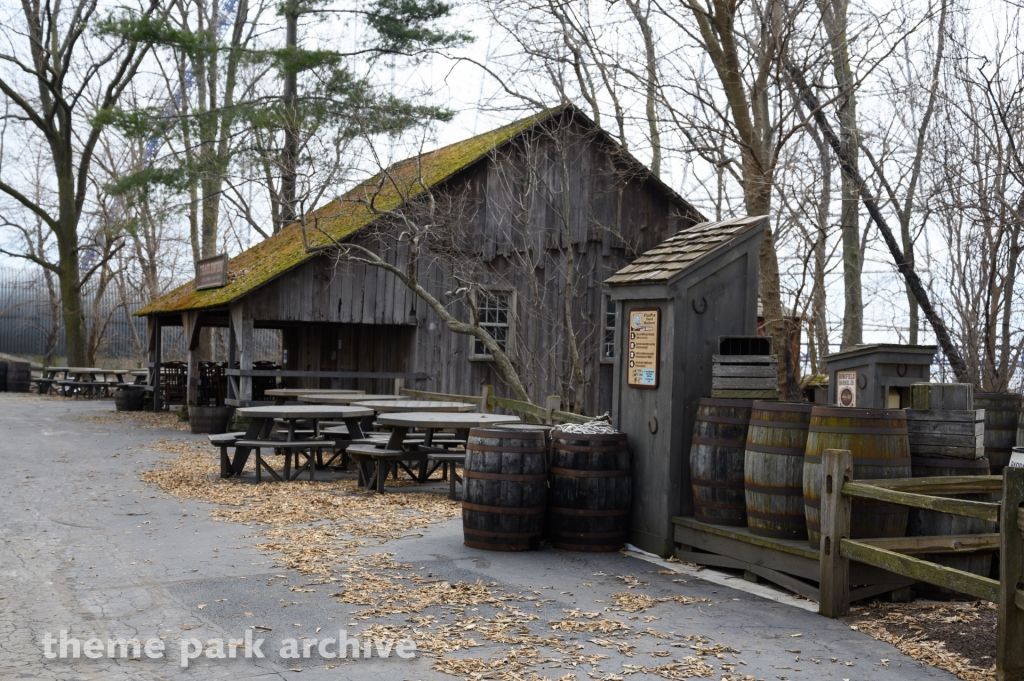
506, 477
730, 420
573, 473
865, 506
587, 535
585, 437
733, 507
502, 535
768, 449
858, 461
789, 425
720, 484
503, 510
586, 512
477, 447
854, 430
781, 517
774, 490
717, 442
700, 517
559, 447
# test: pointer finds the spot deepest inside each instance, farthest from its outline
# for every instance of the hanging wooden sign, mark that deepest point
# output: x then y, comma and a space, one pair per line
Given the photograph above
212, 272
642, 351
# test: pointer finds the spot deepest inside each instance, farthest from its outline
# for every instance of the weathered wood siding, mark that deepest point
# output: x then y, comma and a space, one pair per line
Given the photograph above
522, 239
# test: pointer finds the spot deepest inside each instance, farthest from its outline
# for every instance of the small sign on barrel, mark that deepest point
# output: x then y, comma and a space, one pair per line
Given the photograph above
212, 272
846, 388
1017, 458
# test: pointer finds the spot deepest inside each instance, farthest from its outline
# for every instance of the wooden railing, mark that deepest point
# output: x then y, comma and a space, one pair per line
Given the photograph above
837, 549
487, 401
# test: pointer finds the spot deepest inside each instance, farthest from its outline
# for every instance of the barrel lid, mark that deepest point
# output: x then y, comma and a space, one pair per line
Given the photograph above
774, 405
537, 434
855, 413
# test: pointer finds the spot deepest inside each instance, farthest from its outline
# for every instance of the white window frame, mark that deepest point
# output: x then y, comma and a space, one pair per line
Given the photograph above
606, 299
510, 333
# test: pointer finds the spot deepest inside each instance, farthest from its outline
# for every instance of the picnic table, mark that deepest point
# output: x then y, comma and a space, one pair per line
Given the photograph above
262, 421
281, 395
377, 460
324, 398
80, 380
421, 406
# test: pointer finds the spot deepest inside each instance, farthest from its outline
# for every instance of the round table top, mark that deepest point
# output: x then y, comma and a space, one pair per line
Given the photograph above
393, 406
344, 399
421, 419
297, 392
304, 411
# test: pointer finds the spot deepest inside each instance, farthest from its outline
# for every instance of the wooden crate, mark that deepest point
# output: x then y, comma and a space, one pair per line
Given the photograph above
744, 377
946, 433
942, 396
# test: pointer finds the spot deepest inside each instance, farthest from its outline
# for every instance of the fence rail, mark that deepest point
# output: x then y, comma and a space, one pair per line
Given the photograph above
487, 400
838, 549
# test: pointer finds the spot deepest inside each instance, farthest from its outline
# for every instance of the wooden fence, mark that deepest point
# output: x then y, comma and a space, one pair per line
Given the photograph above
837, 549
550, 413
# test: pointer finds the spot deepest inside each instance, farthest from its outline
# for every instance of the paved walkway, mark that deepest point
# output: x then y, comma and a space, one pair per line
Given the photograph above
86, 546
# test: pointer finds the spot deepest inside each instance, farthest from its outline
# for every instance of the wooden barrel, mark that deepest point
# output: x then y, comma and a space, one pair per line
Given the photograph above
924, 523
504, 489
211, 420
19, 377
129, 399
716, 461
591, 490
1002, 417
773, 469
877, 439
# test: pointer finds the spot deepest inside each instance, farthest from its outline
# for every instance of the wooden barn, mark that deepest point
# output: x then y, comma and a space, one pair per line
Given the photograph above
536, 215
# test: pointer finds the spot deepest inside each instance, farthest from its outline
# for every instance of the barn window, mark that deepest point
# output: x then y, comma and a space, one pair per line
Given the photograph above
608, 347
496, 309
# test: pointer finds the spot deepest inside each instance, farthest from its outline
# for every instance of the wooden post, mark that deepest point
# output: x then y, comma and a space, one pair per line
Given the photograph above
190, 322
158, 353
552, 403
1010, 620
486, 393
834, 585
232, 380
399, 385
243, 337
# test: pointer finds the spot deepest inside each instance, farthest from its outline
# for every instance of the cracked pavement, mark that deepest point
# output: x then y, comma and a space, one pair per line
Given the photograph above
87, 547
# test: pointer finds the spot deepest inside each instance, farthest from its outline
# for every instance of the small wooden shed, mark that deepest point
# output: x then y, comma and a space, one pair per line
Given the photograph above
548, 200
677, 300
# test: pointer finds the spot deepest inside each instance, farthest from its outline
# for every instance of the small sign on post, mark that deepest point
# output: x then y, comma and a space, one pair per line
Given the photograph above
846, 388
642, 352
212, 272
1017, 458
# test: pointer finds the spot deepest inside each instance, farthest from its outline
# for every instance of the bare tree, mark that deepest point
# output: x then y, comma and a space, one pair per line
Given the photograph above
60, 80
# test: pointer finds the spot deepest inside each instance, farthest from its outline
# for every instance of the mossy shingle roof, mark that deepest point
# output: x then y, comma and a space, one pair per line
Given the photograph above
345, 216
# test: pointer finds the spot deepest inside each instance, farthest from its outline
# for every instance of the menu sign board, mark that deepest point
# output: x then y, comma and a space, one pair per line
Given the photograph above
846, 388
212, 272
642, 350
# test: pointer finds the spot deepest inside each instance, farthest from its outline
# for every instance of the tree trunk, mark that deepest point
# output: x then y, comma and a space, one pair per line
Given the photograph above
290, 153
833, 13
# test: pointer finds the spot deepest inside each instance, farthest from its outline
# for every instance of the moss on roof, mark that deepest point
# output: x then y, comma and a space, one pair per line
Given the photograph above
338, 220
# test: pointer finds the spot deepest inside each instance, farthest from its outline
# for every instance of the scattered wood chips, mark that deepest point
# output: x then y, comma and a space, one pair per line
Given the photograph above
917, 623
324, 530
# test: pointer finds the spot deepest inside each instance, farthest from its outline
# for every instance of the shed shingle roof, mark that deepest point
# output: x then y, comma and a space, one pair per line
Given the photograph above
683, 250
338, 220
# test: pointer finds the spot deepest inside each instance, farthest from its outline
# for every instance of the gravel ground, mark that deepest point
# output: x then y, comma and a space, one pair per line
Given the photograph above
86, 546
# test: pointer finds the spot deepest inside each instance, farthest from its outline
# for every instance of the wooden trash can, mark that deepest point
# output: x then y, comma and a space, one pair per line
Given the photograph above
129, 398
591, 491
923, 523
19, 377
773, 469
505, 489
877, 439
1002, 417
716, 461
